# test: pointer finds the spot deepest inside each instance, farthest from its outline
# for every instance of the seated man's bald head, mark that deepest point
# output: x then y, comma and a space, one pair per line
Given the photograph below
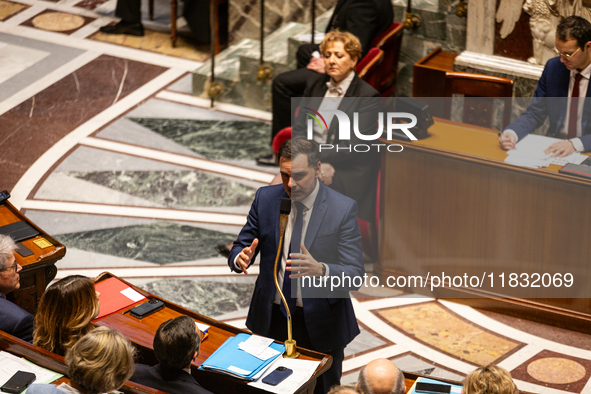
381, 376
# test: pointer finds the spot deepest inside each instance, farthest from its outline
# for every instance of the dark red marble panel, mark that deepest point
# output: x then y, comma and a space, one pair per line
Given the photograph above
31, 128
29, 22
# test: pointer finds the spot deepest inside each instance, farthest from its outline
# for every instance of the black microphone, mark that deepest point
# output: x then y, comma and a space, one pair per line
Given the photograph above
285, 210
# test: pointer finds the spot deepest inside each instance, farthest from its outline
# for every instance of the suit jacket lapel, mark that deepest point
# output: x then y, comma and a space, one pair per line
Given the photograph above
317, 217
562, 82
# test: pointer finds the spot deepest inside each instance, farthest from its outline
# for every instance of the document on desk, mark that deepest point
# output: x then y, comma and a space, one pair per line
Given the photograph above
10, 364
302, 371
529, 152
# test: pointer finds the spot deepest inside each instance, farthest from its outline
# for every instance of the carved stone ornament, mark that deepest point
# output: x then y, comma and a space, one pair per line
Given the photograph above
544, 17
542, 22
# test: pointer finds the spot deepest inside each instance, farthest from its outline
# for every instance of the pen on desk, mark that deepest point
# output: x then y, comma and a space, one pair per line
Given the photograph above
129, 310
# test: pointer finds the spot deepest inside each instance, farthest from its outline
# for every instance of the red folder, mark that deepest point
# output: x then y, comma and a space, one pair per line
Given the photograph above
111, 298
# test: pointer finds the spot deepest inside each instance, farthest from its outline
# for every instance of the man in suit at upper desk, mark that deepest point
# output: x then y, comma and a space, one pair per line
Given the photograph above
176, 344
564, 76
14, 320
324, 224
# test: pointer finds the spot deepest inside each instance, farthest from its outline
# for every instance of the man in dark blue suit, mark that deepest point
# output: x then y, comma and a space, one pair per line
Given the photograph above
13, 319
176, 344
326, 223
566, 77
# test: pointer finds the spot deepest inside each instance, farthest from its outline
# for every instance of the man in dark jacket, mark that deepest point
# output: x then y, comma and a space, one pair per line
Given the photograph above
176, 344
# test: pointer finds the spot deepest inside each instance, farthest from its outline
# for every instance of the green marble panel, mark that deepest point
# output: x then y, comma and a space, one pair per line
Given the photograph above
160, 243
205, 297
174, 188
215, 139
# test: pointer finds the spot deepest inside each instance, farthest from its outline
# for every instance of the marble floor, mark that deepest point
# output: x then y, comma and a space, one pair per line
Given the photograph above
103, 146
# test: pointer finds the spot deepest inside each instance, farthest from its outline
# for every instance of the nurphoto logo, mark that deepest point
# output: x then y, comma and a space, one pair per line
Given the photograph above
344, 130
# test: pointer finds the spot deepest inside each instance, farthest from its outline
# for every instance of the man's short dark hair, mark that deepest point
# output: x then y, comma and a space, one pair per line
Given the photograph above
175, 343
574, 27
296, 146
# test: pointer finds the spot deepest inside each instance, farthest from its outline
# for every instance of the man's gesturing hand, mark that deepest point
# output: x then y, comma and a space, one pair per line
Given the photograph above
246, 255
303, 264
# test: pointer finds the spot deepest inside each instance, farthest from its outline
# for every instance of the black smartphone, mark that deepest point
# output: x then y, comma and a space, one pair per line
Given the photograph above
432, 388
147, 308
18, 382
4, 196
277, 376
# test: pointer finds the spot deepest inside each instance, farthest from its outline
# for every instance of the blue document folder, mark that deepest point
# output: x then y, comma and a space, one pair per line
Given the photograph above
231, 360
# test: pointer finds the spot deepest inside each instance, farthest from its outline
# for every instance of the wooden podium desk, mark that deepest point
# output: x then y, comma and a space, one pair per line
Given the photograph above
449, 203
45, 359
141, 332
39, 268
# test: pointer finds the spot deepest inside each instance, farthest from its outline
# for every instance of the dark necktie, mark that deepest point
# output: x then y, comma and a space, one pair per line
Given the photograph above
294, 246
574, 108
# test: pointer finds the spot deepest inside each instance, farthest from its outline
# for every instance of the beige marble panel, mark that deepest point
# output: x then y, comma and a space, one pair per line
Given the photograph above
437, 327
8, 8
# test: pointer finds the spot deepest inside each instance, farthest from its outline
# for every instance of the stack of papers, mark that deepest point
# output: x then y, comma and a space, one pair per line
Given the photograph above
233, 360
529, 152
10, 364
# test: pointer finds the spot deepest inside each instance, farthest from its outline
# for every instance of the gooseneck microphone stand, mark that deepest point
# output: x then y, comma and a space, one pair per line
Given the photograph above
290, 343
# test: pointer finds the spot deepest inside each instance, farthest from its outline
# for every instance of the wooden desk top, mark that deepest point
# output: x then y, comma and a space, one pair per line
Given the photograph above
477, 144
142, 331
438, 59
9, 214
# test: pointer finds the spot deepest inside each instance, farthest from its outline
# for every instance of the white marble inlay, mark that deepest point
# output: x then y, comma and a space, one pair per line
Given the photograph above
519, 357
58, 186
360, 361
222, 107
15, 58
155, 272
192, 162
137, 212
395, 302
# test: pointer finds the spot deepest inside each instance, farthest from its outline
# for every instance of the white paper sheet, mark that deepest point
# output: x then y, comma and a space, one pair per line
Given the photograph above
202, 327
529, 152
132, 294
302, 371
255, 345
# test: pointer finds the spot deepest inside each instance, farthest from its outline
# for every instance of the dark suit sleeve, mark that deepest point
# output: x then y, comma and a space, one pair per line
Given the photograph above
24, 328
361, 20
249, 232
350, 255
586, 140
536, 112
